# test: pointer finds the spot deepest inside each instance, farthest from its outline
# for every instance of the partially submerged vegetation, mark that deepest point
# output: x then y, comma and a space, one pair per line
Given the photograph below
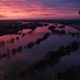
72, 73
53, 57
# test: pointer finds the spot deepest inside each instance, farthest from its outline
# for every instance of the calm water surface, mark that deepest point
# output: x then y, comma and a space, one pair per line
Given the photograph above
28, 56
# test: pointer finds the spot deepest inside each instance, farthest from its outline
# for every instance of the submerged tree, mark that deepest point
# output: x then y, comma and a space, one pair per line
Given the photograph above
72, 73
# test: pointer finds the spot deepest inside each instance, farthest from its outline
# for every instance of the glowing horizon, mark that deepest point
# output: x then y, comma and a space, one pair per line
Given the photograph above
39, 9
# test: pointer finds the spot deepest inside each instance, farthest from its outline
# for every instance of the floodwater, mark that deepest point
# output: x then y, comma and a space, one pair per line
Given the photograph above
17, 54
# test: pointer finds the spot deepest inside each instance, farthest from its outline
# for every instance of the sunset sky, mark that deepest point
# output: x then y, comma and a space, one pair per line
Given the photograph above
39, 9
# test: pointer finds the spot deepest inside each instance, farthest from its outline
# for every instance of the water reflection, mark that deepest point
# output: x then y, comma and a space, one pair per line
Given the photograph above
52, 58
40, 44
72, 73
2, 43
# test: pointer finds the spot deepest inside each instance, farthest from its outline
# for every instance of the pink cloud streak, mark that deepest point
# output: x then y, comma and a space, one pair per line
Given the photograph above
34, 11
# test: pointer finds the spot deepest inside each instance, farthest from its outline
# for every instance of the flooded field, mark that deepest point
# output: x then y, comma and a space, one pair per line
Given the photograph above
40, 51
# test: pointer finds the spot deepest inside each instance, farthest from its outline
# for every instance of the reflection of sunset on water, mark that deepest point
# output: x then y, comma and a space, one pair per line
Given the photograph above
32, 43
